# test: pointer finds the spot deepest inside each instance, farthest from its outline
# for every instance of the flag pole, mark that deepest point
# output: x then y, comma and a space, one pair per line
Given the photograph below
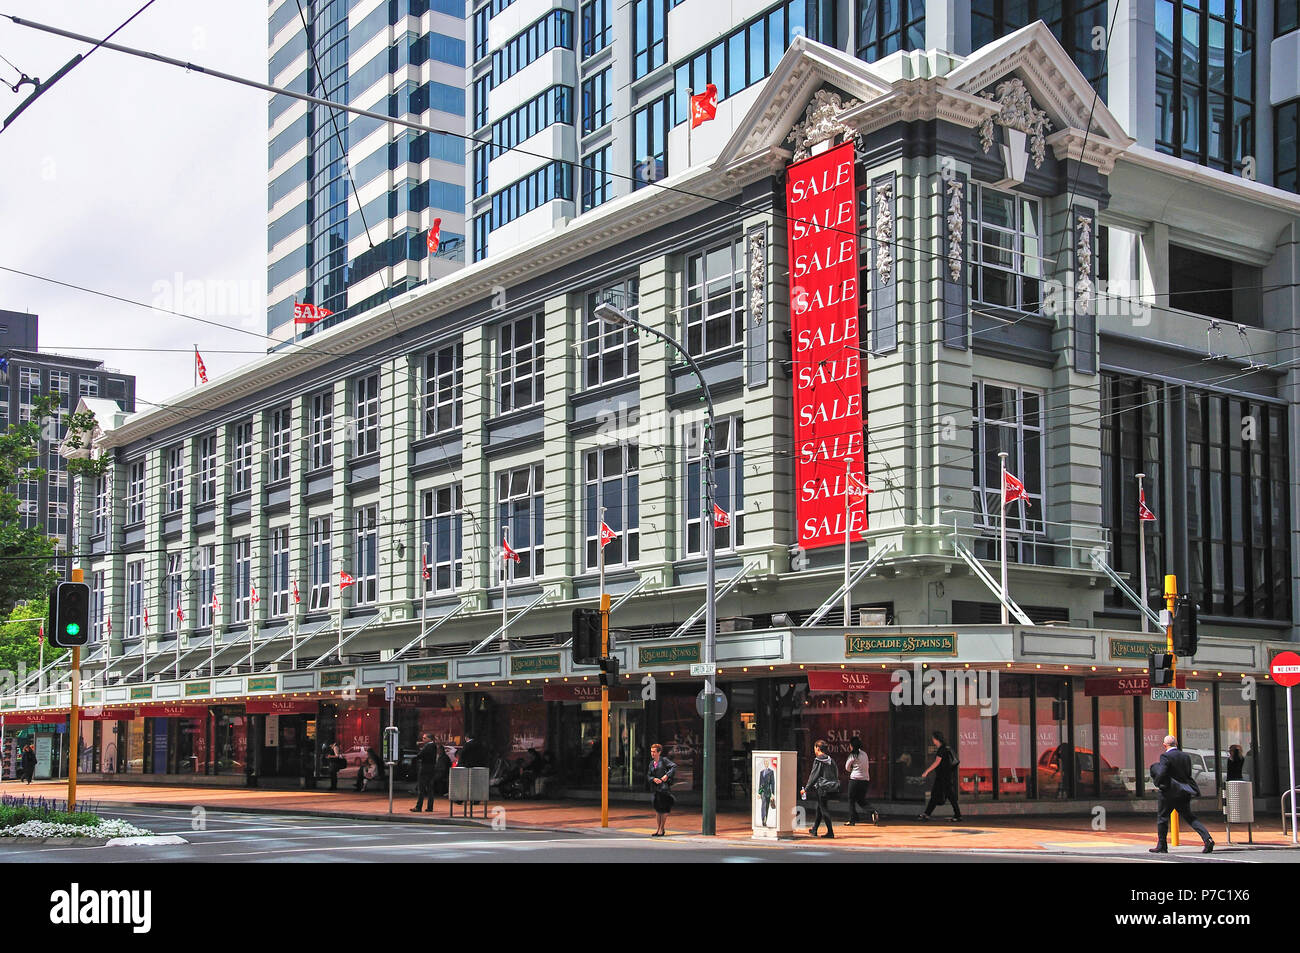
178, 642
690, 123
293, 634
196, 365
1142, 555
505, 580
604, 681
424, 590
1002, 491
848, 534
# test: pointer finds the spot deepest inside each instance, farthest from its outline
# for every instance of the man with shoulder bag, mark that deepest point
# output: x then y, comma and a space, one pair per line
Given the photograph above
1172, 776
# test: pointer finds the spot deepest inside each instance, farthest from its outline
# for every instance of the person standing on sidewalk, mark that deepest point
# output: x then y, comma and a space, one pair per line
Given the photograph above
823, 783
28, 769
660, 777
858, 766
426, 763
1172, 776
333, 762
945, 779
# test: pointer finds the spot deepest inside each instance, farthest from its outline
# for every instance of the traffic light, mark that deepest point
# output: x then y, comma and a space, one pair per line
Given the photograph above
1161, 667
586, 636
70, 614
609, 671
1185, 627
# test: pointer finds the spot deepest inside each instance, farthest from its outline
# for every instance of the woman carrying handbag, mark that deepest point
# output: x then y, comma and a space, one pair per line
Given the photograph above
823, 783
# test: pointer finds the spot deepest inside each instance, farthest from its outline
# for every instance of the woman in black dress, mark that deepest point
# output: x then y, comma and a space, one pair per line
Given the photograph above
660, 777
945, 779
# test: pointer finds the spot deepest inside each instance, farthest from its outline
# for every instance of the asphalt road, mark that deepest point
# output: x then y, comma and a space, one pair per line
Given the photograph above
234, 837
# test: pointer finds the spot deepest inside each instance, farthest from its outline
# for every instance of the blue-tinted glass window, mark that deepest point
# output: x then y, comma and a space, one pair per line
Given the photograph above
481, 88
597, 100
553, 31
649, 36
285, 268
597, 26
597, 185
286, 182
650, 142
481, 20
1286, 132
295, 47
286, 225
447, 99
1286, 16
280, 16
294, 134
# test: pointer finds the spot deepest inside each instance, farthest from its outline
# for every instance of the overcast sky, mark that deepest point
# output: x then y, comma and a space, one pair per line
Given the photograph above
128, 174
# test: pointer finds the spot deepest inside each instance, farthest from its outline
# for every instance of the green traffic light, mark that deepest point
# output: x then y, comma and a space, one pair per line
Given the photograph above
72, 628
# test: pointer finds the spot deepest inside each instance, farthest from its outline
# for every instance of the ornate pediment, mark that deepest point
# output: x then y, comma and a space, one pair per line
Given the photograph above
821, 122
1016, 111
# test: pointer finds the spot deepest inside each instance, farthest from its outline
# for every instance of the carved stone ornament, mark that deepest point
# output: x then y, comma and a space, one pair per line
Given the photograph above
820, 122
956, 222
757, 271
1083, 265
885, 231
1017, 112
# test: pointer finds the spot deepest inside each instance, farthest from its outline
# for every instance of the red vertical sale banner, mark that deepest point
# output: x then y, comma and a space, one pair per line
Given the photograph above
822, 227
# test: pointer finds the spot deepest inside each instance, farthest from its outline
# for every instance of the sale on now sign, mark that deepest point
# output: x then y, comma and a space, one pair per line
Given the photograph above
822, 228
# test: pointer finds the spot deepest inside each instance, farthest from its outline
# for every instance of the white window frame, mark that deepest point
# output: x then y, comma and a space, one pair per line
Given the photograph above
728, 477
322, 429
135, 490
242, 451
208, 468
242, 566
99, 618
443, 534
1022, 519
279, 571
176, 479
207, 570
135, 598
521, 502
175, 591
620, 494
521, 378
713, 301
103, 515
365, 591
279, 445
321, 570
365, 401
443, 386
1011, 250
610, 352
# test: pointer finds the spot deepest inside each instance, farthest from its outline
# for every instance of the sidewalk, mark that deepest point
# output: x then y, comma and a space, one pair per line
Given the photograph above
1072, 834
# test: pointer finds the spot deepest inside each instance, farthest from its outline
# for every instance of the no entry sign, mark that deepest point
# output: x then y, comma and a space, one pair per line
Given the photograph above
1286, 669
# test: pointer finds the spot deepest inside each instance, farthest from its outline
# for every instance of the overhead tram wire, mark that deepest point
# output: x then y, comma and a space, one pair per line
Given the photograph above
41, 88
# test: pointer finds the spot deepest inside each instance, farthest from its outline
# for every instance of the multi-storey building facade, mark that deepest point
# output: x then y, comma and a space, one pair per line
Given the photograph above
351, 198
994, 314
29, 373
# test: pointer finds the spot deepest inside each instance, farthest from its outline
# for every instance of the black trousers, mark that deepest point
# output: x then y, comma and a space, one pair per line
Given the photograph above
823, 813
1183, 805
423, 789
858, 798
943, 791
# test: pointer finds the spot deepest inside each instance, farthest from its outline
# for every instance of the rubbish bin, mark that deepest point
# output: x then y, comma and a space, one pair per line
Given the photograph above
1239, 806
467, 787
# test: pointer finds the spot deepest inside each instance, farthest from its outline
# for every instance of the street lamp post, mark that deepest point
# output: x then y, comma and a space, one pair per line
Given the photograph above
612, 315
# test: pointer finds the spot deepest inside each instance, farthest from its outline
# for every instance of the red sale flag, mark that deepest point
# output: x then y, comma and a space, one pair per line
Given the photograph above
296, 598
40, 634
216, 606
434, 241
704, 106
146, 619
254, 595
109, 622
345, 580
1013, 490
309, 313
1143, 512
721, 517
856, 487
180, 613
200, 367
607, 535
508, 553
424, 566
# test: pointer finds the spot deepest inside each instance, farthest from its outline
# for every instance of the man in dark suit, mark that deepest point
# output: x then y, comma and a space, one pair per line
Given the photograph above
426, 770
1172, 776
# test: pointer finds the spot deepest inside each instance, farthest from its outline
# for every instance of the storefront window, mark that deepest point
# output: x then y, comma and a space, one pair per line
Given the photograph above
1087, 761
1015, 748
913, 751
975, 752
679, 733
112, 747
1058, 768
1118, 759
1196, 729
229, 740
1234, 729
1155, 725
135, 746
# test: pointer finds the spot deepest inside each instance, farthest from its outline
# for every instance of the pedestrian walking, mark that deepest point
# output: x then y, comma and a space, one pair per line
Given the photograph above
442, 771
334, 762
858, 766
1172, 776
28, 770
823, 783
660, 777
944, 768
426, 763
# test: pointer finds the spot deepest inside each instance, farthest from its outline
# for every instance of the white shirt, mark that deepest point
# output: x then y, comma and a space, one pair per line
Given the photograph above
859, 766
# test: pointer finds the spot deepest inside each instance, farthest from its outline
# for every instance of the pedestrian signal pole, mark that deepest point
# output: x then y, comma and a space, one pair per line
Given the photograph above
1171, 600
73, 722
604, 682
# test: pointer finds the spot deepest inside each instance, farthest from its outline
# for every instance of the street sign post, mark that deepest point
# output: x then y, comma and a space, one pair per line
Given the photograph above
704, 668
1175, 694
719, 703
390, 759
1285, 670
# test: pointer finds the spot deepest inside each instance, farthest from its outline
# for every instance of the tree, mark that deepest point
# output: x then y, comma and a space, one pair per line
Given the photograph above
19, 647
27, 567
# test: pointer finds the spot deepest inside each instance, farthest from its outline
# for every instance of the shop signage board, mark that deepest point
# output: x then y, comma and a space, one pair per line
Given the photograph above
280, 706
849, 680
408, 699
174, 711
822, 231
1174, 694
938, 643
1123, 685
534, 664
338, 679
586, 692
1134, 650
143, 692
106, 714
34, 718
198, 688
651, 656
265, 684
425, 672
